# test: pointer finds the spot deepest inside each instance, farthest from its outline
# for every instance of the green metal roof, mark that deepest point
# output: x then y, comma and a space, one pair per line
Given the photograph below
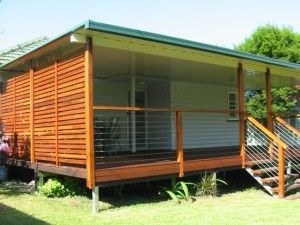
91, 25
107, 28
19, 50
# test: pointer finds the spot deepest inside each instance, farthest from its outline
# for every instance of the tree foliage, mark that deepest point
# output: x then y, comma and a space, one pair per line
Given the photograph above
274, 42
280, 43
282, 101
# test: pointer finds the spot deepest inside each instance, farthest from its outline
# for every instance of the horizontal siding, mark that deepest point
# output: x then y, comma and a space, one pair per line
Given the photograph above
204, 129
110, 92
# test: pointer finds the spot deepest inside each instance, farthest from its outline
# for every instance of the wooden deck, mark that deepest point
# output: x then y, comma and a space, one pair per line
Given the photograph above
124, 158
150, 164
47, 167
128, 167
148, 170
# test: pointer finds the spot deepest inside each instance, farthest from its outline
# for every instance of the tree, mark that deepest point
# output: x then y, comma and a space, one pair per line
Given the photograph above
280, 43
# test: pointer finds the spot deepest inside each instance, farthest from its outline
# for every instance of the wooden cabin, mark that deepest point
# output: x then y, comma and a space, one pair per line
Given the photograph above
115, 105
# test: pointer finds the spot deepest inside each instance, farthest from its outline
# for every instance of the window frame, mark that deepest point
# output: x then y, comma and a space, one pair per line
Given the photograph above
232, 116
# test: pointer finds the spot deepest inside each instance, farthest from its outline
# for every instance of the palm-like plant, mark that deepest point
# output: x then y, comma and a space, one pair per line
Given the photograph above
179, 190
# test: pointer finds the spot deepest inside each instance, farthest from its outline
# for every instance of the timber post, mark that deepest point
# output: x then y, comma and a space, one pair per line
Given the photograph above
269, 100
281, 170
32, 152
241, 89
269, 106
179, 139
89, 112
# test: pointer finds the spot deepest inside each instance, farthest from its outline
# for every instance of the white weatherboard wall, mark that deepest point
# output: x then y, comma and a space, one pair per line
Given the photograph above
111, 93
158, 124
204, 129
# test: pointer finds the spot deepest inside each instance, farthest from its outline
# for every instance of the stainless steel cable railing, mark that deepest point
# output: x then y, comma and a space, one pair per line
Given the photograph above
291, 137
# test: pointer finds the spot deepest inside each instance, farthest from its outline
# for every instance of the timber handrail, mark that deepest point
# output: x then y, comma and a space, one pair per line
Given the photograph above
267, 132
281, 147
129, 108
287, 125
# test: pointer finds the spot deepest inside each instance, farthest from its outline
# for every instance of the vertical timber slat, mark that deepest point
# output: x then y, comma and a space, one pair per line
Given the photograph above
269, 100
14, 120
31, 77
89, 113
280, 172
241, 88
179, 139
56, 113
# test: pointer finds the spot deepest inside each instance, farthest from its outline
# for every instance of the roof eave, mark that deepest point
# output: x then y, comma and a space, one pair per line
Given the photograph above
133, 33
91, 25
49, 42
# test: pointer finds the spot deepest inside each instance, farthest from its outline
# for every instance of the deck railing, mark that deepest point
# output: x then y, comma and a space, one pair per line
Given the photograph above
133, 135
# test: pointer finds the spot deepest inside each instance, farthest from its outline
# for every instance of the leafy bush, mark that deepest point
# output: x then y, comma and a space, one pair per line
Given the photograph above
62, 186
208, 185
53, 188
179, 191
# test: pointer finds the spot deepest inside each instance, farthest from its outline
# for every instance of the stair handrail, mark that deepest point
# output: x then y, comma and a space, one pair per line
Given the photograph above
281, 148
287, 125
267, 132
291, 136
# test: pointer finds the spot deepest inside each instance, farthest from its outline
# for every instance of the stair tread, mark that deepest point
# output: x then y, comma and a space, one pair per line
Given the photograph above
287, 187
293, 187
252, 163
275, 179
260, 171
275, 189
297, 181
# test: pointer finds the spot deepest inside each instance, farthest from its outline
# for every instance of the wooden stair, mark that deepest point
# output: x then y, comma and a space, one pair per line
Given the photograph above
266, 177
273, 154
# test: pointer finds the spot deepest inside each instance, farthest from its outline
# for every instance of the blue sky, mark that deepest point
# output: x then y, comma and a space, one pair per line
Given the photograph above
218, 22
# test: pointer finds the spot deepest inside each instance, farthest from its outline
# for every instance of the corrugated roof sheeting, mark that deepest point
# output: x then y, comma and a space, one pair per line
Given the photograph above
19, 50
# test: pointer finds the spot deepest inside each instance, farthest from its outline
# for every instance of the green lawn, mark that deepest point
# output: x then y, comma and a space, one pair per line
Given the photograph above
246, 207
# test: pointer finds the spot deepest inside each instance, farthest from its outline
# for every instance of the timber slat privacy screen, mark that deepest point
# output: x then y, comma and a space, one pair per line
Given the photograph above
15, 111
58, 113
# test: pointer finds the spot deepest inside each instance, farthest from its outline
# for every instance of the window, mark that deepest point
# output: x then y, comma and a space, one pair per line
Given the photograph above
233, 104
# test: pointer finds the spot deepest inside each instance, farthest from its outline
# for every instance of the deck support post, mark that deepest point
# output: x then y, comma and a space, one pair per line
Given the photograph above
280, 172
214, 179
89, 112
241, 89
269, 100
132, 103
269, 107
95, 200
38, 179
289, 168
179, 138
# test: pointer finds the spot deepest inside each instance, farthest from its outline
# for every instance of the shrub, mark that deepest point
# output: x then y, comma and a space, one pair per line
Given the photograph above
53, 188
62, 186
208, 185
179, 191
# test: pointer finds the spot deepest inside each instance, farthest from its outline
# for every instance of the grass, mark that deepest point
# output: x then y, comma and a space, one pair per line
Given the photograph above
249, 206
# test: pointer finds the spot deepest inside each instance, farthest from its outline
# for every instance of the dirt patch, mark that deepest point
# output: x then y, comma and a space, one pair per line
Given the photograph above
19, 186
